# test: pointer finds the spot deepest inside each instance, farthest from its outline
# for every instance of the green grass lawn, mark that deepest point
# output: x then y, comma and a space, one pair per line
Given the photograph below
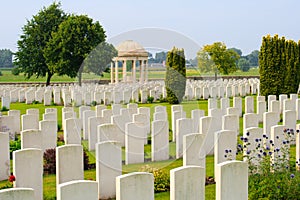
49, 180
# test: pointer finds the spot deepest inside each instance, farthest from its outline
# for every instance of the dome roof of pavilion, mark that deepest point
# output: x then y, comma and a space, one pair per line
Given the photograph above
130, 48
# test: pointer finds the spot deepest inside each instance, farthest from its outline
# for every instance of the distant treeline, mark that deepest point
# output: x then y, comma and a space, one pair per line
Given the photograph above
6, 58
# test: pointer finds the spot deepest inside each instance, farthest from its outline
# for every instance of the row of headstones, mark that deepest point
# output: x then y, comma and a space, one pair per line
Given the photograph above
122, 93
186, 126
186, 182
219, 91
129, 126
224, 140
43, 134
84, 95
223, 82
217, 120
34, 134
29, 95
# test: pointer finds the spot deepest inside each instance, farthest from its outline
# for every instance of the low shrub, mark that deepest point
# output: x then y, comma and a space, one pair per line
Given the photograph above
150, 99
50, 161
35, 102
15, 71
93, 103
60, 140
161, 178
14, 145
4, 109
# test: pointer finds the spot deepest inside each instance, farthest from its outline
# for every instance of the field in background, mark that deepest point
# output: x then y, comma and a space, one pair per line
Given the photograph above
153, 73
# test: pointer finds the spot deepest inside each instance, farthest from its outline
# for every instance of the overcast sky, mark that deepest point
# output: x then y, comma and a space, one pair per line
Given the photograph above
237, 23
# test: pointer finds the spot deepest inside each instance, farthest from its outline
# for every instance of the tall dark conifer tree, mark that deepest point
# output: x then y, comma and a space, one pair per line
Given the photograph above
175, 79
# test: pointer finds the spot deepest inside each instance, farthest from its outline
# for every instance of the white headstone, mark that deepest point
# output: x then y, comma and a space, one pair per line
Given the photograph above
4, 156
212, 103
160, 116
231, 122
136, 185
86, 115
275, 106
225, 103
69, 163
249, 104
93, 124
196, 115
107, 132
290, 119
30, 122
271, 98
261, 109
144, 121
5, 101
49, 134
17, 193
269, 119
72, 131
187, 182
7, 125
107, 114
232, 180
193, 153
47, 98
237, 103
134, 143
160, 109
225, 146
133, 108
250, 120
160, 141
282, 97
184, 126
16, 114
253, 140
79, 189
279, 139
99, 109
116, 109
31, 138
108, 167
28, 170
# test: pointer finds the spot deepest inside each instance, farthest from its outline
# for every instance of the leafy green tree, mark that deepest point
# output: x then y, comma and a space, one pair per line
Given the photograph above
238, 51
244, 64
205, 63
29, 57
6, 58
100, 58
253, 58
161, 56
75, 38
175, 79
224, 60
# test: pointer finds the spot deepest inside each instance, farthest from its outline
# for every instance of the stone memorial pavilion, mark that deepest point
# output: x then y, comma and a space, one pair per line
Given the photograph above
133, 53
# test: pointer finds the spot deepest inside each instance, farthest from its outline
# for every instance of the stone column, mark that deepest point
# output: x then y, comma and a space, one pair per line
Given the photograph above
124, 71
116, 71
146, 71
112, 72
134, 71
141, 71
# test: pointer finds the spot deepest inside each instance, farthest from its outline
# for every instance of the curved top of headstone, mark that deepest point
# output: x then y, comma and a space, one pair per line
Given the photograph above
130, 48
